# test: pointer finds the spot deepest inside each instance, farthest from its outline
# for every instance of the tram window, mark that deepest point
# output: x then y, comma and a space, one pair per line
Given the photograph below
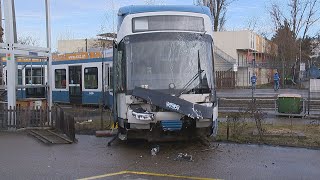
91, 78
19, 76
60, 78
108, 79
35, 92
36, 77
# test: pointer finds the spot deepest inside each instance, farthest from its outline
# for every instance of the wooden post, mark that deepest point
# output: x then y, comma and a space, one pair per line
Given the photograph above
227, 128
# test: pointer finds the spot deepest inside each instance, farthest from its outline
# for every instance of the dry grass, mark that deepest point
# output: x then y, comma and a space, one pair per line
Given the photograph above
286, 135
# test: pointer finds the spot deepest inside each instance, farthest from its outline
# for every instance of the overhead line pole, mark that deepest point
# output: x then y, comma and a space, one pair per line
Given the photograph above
49, 60
10, 57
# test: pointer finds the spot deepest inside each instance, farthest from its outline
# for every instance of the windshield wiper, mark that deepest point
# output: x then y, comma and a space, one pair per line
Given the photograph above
200, 71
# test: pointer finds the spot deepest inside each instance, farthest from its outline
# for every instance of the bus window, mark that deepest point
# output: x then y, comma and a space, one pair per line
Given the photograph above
60, 78
91, 78
121, 69
168, 22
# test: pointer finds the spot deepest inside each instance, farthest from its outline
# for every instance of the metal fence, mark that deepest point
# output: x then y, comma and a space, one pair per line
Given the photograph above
21, 117
64, 121
225, 79
18, 117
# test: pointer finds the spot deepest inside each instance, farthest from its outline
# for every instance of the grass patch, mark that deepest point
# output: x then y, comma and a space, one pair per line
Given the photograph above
284, 135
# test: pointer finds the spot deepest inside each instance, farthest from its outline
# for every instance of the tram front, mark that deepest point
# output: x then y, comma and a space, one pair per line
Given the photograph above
164, 74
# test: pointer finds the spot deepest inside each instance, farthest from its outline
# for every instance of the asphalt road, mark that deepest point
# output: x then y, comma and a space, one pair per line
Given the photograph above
22, 157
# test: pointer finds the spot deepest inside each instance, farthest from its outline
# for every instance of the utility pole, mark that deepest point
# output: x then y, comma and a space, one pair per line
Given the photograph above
300, 52
86, 44
13, 49
49, 65
1, 41
283, 72
10, 57
300, 72
309, 87
1, 29
103, 83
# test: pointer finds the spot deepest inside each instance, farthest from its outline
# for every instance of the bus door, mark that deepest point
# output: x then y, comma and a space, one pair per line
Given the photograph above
108, 79
75, 84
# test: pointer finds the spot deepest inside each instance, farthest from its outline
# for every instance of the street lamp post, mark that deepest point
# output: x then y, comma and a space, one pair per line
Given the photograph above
253, 64
103, 83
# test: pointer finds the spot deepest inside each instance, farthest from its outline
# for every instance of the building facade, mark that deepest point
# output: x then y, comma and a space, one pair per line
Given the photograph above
82, 45
249, 52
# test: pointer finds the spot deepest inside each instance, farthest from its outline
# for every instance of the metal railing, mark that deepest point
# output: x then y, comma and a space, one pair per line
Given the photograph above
224, 56
26, 117
64, 122
20, 117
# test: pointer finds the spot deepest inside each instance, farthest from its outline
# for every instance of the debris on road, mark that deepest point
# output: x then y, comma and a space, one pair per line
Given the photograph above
185, 157
155, 150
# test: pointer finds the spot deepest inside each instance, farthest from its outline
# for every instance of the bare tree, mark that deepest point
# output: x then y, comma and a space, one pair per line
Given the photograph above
301, 15
259, 25
218, 10
252, 24
28, 40
67, 35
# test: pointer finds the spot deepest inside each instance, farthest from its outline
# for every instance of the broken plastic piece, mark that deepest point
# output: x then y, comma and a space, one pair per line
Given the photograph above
185, 157
155, 150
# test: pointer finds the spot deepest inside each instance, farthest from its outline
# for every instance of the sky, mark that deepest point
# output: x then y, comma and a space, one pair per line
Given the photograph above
78, 19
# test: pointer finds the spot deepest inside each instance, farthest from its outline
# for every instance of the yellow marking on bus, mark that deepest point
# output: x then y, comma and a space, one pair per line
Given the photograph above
147, 174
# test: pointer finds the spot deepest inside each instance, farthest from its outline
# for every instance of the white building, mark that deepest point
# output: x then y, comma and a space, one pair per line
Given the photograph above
248, 51
81, 45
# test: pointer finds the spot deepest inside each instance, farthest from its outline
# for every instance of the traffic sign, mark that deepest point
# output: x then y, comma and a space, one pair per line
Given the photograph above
235, 67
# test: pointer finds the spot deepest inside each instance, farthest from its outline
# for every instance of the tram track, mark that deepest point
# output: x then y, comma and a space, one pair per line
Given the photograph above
263, 103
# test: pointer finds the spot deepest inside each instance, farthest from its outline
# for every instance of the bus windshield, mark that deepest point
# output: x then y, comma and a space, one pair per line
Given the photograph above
163, 61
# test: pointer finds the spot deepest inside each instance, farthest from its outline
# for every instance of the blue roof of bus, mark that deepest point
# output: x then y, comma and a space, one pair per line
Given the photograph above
126, 10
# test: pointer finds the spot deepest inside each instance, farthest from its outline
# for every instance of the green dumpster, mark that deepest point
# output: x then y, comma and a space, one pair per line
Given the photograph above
289, 103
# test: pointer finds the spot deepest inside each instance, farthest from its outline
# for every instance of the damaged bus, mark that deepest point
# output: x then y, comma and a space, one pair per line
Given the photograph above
163, 72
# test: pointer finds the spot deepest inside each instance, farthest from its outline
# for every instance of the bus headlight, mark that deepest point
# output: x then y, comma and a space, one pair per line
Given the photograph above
145, 116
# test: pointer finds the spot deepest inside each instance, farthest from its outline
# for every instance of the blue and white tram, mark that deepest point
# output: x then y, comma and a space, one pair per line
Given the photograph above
163, 73
29, 74
85, 81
